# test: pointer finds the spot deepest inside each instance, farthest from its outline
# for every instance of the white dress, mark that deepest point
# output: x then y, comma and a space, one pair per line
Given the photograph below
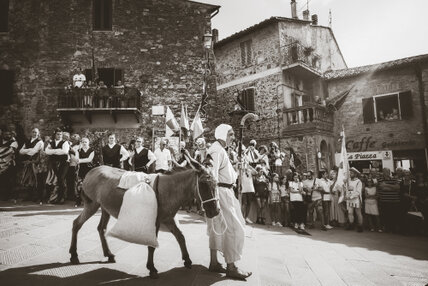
371, 204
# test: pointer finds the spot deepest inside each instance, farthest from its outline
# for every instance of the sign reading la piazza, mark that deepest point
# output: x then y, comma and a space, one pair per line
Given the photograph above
374, 155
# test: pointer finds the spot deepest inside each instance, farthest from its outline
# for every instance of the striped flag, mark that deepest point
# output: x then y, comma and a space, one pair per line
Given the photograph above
184, 120
343, 172
196, 127
171, 124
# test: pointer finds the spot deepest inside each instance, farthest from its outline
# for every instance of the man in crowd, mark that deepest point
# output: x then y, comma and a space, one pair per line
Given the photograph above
58, 151
8, 147
231, 242
354, 199
252, 154
79, 79
311, 186
113, 153
142, 158
73, 166
163, 158
30, 156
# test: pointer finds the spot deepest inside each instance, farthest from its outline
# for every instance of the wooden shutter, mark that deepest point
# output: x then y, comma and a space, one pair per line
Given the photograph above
406, 104
4, 15
368, 110
96, 14
102, 14
6, 86
243, 54
118, 75
249, 52
250, 99
108, 14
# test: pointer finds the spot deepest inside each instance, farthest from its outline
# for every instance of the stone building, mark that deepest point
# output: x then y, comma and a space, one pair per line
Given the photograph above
155, 48
383, 111
275, 69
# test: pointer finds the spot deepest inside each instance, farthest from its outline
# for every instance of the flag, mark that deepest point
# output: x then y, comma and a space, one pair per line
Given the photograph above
343, 172
196, 126
171, 123
184, 120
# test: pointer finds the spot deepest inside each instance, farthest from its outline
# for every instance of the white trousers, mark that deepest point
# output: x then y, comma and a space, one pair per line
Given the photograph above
231, 242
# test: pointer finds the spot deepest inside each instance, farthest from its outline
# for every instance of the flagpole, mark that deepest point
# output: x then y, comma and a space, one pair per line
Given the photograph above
179, 136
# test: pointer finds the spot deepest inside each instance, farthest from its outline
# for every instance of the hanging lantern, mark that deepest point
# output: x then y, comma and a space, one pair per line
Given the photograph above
208, 40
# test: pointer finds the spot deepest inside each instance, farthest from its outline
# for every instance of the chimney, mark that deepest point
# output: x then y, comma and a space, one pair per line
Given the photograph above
215, 35
306, 15
315, 19
293, 9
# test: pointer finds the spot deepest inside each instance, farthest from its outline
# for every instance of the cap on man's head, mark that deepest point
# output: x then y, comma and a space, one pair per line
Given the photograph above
355, 171
253, 142
221, 131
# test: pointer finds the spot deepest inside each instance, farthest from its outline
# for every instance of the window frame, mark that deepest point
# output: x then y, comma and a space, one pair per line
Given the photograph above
245, 101
246, 47
387, 95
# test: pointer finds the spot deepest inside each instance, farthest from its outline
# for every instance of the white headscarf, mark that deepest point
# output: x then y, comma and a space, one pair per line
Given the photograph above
221, 131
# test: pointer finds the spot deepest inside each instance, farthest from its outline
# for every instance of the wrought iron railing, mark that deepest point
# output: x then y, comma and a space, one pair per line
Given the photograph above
99, 98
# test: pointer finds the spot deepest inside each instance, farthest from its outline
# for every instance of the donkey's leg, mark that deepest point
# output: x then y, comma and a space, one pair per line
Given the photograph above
89, 210
105, 217
150, 265
172, 226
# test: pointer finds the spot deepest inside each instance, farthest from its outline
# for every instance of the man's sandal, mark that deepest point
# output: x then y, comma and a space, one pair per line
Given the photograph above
218, 268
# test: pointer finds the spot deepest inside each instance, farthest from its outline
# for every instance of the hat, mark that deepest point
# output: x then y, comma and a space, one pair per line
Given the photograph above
253, 142
221, 131
355, 171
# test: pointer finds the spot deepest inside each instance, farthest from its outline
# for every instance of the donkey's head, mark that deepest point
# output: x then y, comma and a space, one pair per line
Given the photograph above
207, 194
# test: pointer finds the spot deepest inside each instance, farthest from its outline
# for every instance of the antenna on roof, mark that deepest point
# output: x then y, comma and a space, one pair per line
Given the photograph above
330, 19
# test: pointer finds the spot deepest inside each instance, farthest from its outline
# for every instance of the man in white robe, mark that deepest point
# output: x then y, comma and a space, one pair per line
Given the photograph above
231, 242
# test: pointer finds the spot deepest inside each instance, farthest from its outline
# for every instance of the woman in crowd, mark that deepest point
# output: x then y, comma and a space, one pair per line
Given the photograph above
86, 157
275, 200
370, 207
247, 189
275, 158
296, 199
285, 201
261, 186
337, 211
264, 157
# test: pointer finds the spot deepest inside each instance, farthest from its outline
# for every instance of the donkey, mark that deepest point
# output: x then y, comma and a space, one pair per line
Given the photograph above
172, 191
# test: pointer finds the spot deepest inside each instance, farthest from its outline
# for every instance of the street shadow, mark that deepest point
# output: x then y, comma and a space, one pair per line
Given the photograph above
61, 274
51, 213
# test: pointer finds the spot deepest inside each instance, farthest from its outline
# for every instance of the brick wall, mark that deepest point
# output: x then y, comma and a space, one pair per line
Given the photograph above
158, 44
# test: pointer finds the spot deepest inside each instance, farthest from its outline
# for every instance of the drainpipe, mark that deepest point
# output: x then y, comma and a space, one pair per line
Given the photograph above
418, 72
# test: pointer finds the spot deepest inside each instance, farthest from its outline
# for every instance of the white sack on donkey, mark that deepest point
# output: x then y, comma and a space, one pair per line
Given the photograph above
136, 222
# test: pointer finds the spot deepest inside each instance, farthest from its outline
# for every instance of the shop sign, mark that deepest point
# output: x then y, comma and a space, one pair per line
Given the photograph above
392, 144
375, 155
362, 145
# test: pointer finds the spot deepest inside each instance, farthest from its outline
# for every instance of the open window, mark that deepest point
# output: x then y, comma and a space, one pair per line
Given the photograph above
110, 76
102, 15
6, 87
390, 107
246, 99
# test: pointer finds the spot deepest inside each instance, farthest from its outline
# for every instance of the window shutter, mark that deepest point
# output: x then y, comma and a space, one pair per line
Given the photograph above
4, 15
243, 54
250, 99
249, 52
406, 104
6, 87
96, 14
108, 14
368, 110
118, 75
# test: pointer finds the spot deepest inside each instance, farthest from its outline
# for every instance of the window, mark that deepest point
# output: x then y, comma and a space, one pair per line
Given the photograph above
246, 53
4, 15
102, 15
246, 98
6, 87
110, 76
388, 107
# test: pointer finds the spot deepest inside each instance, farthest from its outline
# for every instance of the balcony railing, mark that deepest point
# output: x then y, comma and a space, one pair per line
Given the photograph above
99, 98
307, 118
296, 52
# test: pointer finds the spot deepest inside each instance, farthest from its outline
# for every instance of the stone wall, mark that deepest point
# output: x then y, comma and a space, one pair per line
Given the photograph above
384, 135
158, 44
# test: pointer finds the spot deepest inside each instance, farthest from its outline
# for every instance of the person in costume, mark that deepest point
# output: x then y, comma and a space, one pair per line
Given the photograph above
231, 242
141, 159
113, 153
354, 199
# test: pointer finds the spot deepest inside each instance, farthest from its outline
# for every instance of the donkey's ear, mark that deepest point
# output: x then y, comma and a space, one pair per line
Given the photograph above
192, 162
209, 162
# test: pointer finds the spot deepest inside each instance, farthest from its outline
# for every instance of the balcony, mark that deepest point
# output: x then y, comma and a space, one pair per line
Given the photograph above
309, 119
102, 107
301, 60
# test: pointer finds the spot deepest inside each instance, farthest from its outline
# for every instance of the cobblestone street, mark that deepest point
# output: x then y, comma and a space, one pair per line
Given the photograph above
34, 243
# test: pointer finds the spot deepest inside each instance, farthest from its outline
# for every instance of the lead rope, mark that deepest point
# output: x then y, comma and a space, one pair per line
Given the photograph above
220, 213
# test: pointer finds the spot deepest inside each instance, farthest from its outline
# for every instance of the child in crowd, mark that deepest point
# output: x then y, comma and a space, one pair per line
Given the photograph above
296, 199
261, 186
285, 201
275, 200
371, 208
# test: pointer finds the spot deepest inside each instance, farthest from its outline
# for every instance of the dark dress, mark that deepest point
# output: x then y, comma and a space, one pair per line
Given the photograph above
261, 186
84, 168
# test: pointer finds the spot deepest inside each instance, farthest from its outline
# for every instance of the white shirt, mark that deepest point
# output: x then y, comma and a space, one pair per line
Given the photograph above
32, 151
162, 159
79, 80
325, 185
63, 151
295, 194
252, 155
123, 152
74, 159
223, 170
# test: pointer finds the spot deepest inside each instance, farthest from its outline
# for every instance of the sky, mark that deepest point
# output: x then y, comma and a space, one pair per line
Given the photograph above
367, 31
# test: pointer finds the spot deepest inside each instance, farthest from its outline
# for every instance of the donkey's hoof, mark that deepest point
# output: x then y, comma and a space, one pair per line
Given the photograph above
111, 259
188, 264
74, 260
154, 275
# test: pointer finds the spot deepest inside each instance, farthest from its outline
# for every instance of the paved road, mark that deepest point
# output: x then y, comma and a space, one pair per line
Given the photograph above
34, 243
